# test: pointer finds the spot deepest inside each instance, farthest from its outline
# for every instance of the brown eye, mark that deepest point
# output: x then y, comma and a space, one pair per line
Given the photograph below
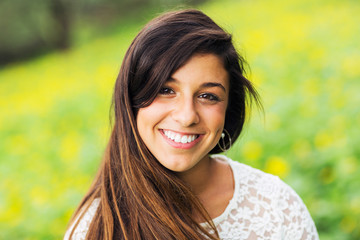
166, 91
209, 96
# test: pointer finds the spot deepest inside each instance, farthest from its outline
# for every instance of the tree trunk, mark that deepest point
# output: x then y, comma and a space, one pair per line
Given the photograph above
61, 14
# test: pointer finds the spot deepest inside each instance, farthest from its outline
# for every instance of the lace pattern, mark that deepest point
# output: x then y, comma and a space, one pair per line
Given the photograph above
263, 208
83, 226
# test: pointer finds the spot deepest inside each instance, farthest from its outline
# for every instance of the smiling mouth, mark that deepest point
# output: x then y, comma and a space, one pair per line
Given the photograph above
180, 138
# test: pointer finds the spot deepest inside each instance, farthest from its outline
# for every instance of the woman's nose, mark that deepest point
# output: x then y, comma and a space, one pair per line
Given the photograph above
185, 113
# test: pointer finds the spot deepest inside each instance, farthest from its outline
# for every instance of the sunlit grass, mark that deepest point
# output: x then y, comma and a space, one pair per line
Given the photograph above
304, 59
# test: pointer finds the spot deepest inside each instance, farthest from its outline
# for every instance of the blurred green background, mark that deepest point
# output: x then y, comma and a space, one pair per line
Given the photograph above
54, 105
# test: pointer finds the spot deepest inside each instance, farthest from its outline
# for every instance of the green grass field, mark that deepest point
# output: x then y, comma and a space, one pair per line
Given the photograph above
305, 61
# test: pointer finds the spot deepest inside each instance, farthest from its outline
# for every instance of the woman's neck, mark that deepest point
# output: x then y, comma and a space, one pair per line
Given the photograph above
212, 181
199, 177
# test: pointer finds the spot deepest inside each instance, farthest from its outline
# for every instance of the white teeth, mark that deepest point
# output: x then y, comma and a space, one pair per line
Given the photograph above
184, 139
172, 135
179, 138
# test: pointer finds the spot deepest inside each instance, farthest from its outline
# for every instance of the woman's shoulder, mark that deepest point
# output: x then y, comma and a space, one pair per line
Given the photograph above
247, 176
84, 223
254, 182
262, 198
259, 185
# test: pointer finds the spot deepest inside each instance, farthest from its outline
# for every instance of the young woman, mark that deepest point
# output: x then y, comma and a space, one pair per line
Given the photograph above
181, 97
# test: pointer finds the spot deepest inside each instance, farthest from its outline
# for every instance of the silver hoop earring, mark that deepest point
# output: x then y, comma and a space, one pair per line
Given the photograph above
224, 148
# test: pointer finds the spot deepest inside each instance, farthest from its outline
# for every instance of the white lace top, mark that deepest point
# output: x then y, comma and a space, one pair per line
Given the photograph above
262, 208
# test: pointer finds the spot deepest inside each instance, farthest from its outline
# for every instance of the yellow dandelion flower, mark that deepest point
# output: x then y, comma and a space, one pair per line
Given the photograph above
312, 87
348, 165
39, 195
337, 97
302, 148
18, 144
323, 140
307, 107
278, 166
350, 66
256, 41
70, 147
348, 224
104, 132
316, 54
273, 122
252, 150
338, 124
258, 78
14, 207
355, 205
104, 79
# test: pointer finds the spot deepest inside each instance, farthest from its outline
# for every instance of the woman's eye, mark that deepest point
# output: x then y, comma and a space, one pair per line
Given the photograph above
210, 97
166, 91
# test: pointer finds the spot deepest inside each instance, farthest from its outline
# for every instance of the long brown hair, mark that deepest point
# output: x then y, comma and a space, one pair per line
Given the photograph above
139, 198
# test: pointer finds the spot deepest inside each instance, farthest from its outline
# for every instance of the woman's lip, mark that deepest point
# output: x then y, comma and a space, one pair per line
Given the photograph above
181, 145
180, 132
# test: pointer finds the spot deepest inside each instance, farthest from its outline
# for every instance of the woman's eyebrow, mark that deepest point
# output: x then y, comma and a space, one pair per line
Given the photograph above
204, 85
213, 84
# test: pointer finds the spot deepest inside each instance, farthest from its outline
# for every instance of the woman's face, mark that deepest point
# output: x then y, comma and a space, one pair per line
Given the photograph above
186, 119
